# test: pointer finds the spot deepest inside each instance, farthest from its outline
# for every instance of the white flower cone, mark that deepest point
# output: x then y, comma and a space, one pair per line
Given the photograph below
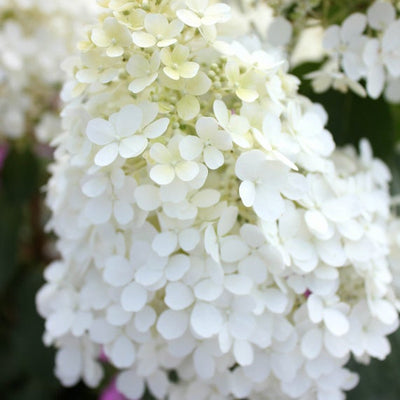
228, 241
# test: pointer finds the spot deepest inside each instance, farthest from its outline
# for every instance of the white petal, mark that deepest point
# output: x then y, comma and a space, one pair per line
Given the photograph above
243, 352
204, 364
128, 120
137, 65
279, 32
158, 384
227, 220
143, 39
60, 322
106, 155
132, 146
275, 300
271, 125
259, 370
216, 13
255, 268
315, 308
95, 186
375, 80
341, 209
336, 321
139, 84
122, 352
317, 223
233, 249
336, 345
206, 198
189, 18
156, 128
210, 243
117, 316
187, 170
268, 204
117, 271
147, 197
206, 320
224, 339
123, 212
377, 346
198, 85
238, 284
178, 296
102, 332
133, 297
384, 310
208, 290
240, 386
163, 174
144, 319
247, 193
353, 26
130, 385
213, 157
331, 252
221, 112
160, 153
247, 95
189, 69
331, 37
165, 243
188, 239
98, 210
177, 266
172, 324
69, 364
190, 147
100, 131
380, 15
311, 343
188, 107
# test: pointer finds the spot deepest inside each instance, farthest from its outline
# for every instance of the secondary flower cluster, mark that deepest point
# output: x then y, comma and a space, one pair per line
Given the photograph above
35, 38
214, 244
364, 47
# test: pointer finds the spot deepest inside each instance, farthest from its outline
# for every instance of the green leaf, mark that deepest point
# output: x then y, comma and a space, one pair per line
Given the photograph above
11, 220
20, 175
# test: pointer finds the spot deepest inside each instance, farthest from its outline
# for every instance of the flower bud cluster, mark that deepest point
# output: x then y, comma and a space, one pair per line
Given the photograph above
36, 36
208, 229
365, 47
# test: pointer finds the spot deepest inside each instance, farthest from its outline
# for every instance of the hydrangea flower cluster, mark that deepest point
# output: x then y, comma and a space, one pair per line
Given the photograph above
365, 47
214, 244
36, 36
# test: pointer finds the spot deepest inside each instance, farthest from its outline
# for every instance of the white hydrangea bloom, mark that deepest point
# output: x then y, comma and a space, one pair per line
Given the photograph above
363, 47
207, 225
35, 38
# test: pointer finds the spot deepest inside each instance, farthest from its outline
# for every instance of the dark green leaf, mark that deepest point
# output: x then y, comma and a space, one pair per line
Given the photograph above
20, 175
10, 223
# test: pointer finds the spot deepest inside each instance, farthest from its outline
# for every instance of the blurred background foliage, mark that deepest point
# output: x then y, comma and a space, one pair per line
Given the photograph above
26, 365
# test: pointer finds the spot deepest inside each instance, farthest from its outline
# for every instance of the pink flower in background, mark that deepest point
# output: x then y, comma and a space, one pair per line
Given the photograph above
111, 393
103, 357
